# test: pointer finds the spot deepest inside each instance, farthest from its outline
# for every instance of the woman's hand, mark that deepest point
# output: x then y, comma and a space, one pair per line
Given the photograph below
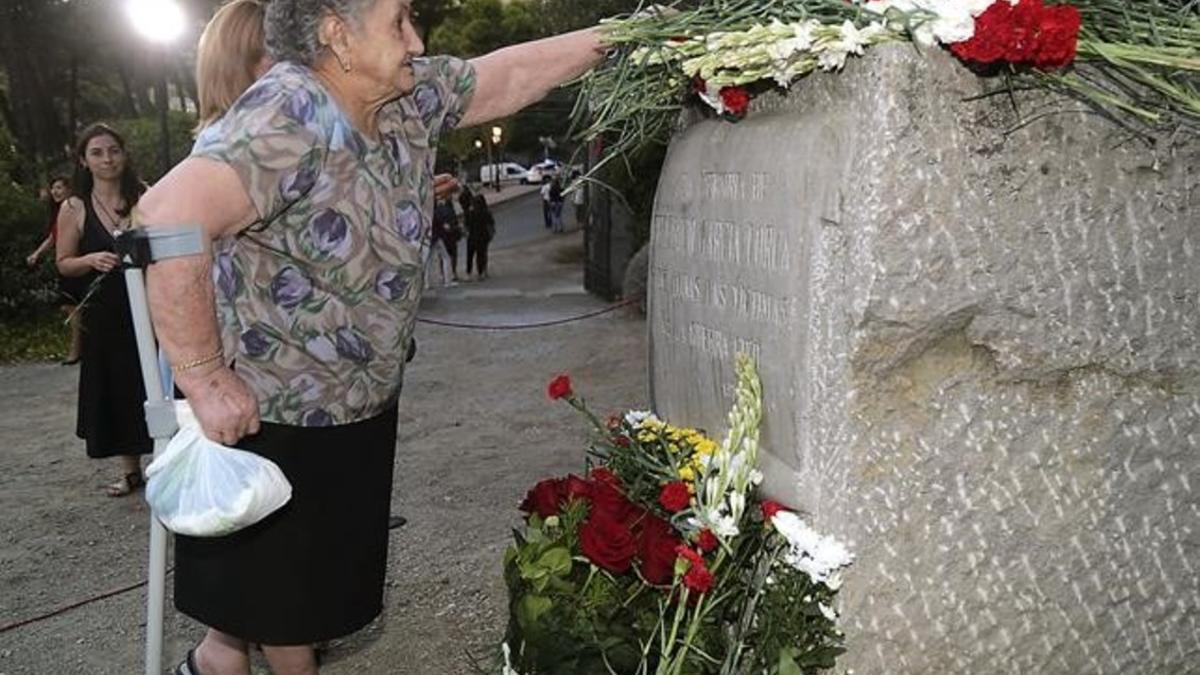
102, 261
32, 259
224, 405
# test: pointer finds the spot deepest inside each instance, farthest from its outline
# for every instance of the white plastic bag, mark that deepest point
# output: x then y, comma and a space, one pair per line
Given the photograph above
203, 489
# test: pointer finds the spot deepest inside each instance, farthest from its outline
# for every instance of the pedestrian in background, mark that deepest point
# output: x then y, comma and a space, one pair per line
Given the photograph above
111, 396
556, 206
546, 210
69, 290
481, 229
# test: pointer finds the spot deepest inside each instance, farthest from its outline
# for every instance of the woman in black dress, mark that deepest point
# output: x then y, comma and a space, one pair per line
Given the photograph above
111, 394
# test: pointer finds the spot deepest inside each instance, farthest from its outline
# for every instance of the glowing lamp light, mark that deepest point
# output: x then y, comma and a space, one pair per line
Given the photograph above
160, 21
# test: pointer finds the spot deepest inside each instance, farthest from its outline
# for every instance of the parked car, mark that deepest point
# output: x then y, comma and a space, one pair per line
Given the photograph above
544, 171
510, 172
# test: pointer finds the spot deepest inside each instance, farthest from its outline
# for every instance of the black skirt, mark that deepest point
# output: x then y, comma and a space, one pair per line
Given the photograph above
111, 416
314, 570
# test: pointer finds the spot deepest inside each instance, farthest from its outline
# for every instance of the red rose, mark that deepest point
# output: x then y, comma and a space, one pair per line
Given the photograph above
612, 502
1059, 37
603, 475
614, 423
607, 542
560, 387
698, 579
736, 100
544, 498
656, 550
575, 487
770, 508
621, 441
674, 496
707, 541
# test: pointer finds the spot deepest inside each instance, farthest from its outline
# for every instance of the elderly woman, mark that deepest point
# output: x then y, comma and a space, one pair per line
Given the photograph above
316, 189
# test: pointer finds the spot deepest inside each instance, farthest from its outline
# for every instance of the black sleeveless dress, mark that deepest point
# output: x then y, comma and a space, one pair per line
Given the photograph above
111, 395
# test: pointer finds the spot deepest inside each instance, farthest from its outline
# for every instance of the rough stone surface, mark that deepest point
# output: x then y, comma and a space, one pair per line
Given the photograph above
977, 323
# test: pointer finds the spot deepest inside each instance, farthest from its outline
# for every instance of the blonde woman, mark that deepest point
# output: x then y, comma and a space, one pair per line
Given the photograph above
231, 57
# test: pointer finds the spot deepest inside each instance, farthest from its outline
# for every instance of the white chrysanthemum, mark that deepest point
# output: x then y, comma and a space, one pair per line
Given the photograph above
756, 477
636, 417
726, 527
816, 555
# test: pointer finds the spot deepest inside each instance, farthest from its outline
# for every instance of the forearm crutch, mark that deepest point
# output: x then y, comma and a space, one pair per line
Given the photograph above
138, 249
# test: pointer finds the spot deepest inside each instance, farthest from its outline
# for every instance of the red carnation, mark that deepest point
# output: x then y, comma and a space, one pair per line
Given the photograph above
674, 496
770, 508
685, 552
656, 550
621, 441
544, 498
707, 541
736, 100
1059, 37
698, 579
607, 542
560, 387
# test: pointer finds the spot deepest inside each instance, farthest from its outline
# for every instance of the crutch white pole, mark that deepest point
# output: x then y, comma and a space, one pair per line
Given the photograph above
137, 250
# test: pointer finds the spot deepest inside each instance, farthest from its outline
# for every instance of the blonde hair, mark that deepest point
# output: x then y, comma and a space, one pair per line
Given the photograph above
231, 48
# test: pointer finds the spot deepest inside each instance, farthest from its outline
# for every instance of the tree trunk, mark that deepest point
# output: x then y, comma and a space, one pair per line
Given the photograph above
129, 103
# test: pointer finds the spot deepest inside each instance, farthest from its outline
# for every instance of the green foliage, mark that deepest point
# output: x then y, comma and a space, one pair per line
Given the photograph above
23, 221
144, 138
39, 334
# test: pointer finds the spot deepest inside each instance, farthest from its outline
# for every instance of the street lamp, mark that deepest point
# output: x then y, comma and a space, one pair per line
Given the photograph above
497, 136
160, 22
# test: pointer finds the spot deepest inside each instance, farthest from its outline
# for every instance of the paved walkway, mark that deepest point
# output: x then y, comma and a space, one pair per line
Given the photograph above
476, 431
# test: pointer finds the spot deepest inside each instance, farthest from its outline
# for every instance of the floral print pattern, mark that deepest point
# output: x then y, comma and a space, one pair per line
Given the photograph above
318, 299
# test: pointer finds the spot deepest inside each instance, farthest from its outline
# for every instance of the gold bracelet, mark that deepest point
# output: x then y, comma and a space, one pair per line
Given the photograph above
196, 363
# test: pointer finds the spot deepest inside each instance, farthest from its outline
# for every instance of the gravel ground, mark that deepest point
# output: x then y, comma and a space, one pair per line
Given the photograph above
476, 431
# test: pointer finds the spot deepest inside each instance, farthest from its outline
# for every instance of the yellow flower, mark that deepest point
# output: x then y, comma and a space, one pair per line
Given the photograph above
706, 447
647, 436
671, 447
687, 473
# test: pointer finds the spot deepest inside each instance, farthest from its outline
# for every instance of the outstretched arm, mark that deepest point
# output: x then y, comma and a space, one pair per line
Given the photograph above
512, 78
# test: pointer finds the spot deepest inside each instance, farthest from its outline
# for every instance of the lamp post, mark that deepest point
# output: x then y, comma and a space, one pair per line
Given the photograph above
160, 22
492, 168
497, 136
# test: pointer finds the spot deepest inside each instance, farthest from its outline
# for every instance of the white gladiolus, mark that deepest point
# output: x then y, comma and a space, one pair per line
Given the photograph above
945, 21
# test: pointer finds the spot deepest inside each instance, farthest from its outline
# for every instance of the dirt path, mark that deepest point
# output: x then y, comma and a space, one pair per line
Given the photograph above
475, 432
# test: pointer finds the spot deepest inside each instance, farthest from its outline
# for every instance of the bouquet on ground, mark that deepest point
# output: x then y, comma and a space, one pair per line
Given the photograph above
662, 559
1141, 58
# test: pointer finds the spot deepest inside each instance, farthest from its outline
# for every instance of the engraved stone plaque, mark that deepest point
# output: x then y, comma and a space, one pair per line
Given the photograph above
976, 319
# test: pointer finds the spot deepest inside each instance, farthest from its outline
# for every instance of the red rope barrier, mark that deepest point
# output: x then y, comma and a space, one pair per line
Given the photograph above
528, 326
74, 605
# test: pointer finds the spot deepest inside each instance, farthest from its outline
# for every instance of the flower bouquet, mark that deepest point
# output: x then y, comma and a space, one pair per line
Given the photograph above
662, 559
1137, 61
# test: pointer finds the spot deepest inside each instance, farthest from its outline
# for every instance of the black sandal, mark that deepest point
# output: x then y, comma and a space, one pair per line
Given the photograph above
188, 667
127, 485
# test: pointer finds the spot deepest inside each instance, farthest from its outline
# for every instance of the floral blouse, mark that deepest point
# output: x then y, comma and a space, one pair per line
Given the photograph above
317, 301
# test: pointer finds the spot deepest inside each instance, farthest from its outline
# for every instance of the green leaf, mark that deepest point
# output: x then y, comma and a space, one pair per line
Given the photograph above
787, 664
556, 561
531, 608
